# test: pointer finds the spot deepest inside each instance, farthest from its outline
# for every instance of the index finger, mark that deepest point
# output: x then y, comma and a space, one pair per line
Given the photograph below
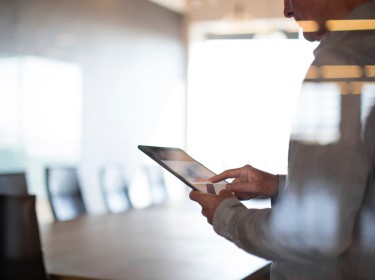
230, 173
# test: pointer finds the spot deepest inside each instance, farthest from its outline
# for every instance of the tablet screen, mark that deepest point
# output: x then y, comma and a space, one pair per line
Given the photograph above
183, 166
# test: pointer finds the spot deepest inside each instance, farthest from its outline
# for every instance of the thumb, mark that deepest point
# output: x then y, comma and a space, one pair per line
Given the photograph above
226, 194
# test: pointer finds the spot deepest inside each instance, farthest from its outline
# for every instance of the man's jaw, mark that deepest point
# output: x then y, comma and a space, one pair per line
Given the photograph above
312, 30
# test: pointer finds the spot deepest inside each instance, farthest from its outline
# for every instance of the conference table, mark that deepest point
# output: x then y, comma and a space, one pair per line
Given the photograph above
155, 243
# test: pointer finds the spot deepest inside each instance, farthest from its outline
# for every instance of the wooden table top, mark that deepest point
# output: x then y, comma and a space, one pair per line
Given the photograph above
144, 244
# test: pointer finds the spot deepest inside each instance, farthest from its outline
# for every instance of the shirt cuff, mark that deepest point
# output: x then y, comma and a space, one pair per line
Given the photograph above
225, 216
276, 198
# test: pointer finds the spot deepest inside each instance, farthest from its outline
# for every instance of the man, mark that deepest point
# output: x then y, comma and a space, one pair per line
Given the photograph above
322, 221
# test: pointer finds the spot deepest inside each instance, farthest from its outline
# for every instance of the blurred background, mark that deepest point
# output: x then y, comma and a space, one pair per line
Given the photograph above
83, 82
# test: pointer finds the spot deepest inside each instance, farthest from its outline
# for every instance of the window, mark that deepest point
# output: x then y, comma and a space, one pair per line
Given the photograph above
241, 99
40, 117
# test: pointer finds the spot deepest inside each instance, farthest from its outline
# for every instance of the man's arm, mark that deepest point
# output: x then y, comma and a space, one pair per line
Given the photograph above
316, 215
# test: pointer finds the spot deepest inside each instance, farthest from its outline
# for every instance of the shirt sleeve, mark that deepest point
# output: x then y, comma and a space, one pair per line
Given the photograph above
250, 231
281, 186
316, 216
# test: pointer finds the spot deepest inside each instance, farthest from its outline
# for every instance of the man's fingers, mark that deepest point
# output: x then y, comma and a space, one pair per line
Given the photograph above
236, 180
230, 173
242, 191
240, 187
195, 195
229, 194
225, 194
200, 196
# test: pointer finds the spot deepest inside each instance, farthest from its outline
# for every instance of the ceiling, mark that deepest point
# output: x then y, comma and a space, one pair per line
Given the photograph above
232, 16
218, 9
174, 5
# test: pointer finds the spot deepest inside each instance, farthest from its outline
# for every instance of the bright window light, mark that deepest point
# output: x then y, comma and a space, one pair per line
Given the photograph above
241, 98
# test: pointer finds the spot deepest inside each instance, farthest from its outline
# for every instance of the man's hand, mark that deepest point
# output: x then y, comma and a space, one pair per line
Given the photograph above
210, 202
249, 182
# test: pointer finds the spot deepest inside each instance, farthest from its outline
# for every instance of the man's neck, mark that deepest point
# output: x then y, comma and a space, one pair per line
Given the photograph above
350, 6
347, 8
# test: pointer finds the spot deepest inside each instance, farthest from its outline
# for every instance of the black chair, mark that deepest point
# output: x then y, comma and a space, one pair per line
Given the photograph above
156, 183
115, 189
21, 255
64, 193
13, 183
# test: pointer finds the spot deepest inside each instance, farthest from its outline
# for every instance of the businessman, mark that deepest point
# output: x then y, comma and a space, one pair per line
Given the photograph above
322, 221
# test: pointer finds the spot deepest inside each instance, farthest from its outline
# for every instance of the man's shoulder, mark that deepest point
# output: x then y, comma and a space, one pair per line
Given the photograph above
351, 48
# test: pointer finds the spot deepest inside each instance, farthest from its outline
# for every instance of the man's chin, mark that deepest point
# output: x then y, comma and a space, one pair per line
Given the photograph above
313, 36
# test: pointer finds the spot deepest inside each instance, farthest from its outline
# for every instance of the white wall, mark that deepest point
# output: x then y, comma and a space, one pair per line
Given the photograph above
131, 53
141, 101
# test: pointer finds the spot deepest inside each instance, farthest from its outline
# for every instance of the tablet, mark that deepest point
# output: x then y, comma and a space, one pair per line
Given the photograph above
184, 167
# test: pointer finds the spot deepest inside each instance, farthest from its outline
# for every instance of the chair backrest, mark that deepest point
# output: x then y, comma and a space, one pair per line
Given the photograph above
115, 189
156, 183
21, 255
64, 193
13, 183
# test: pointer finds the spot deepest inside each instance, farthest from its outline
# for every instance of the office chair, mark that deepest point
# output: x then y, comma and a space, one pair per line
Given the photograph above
156, 183
13, 183
21, 255
114, 188
64, 193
